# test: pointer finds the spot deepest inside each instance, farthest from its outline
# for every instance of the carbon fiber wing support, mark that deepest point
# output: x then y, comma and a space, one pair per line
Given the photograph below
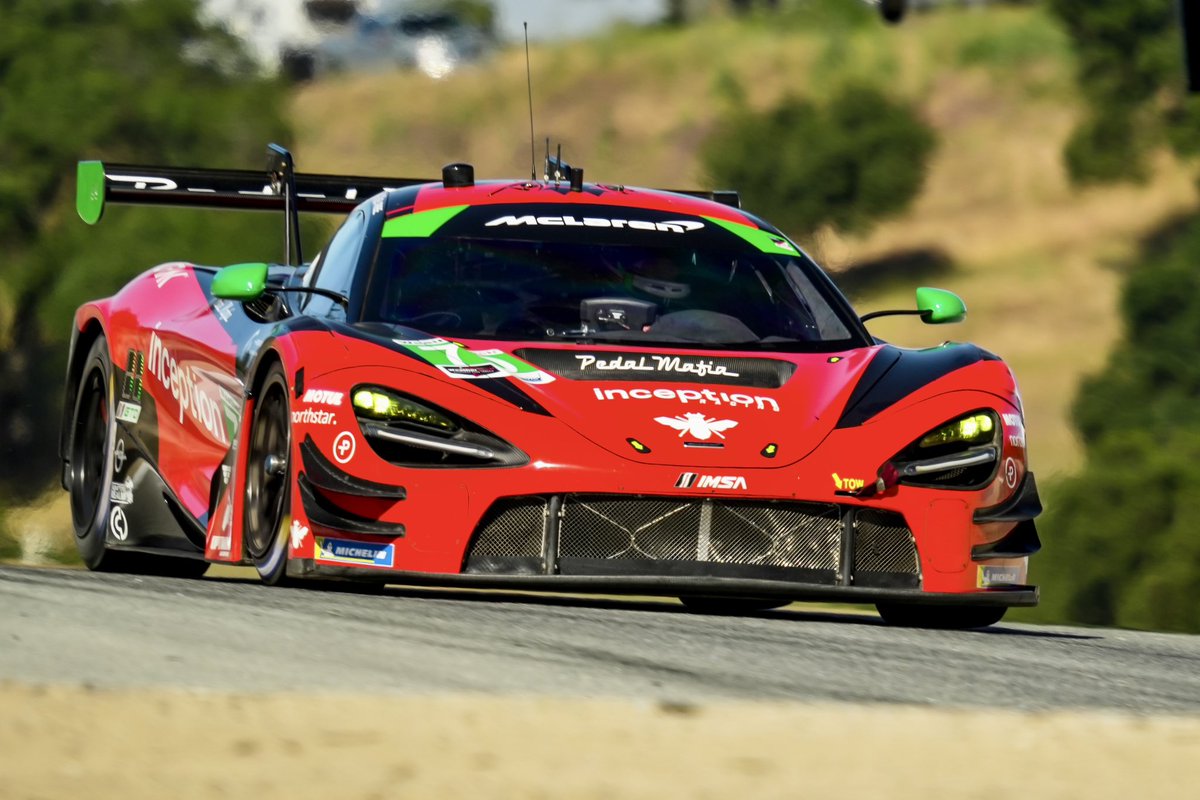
277, 188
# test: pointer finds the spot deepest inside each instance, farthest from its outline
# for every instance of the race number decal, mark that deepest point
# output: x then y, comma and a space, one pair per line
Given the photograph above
456, 361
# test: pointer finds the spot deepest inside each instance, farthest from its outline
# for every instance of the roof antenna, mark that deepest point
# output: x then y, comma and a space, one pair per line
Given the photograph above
529, 84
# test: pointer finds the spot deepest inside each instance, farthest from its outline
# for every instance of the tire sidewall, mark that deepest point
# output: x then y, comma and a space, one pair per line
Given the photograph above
272, 565
91, 534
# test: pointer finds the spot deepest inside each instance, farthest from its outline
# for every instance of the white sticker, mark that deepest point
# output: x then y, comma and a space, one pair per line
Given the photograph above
323, 397
165, 276
129, 412
694, 480
119, 456
122, 493
118, 526
299, 534
344, 446
223, 309
698, 425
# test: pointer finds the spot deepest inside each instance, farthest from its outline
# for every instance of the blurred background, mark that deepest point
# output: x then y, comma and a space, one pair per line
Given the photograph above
1037, 158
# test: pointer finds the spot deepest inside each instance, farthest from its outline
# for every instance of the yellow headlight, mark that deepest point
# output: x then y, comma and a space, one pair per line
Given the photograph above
383, 405
973, 429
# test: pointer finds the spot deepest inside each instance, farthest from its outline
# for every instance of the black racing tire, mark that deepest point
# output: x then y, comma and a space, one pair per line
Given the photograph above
729, 606
89, 479
909, 615
90, 453
268, 489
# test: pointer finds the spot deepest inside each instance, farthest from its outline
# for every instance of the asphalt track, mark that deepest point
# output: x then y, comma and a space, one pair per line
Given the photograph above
61, 626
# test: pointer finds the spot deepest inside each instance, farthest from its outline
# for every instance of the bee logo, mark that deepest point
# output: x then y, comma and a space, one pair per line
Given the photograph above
698, 425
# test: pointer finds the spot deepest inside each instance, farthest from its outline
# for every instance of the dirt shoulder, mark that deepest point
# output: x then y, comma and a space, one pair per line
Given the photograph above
74, 742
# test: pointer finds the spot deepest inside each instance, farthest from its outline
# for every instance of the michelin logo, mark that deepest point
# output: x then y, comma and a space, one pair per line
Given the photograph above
362, 553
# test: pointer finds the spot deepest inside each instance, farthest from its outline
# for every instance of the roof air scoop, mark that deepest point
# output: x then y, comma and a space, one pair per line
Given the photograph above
455, 176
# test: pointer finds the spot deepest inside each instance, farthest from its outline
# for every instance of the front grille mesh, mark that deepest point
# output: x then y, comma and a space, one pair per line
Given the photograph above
724, 532
883, 543
512, 528
625, 529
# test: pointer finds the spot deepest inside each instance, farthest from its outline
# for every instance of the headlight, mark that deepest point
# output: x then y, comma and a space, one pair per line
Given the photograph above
974, 429
375, 403
960, 454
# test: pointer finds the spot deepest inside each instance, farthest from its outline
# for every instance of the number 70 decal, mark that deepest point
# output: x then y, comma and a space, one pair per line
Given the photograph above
456, 361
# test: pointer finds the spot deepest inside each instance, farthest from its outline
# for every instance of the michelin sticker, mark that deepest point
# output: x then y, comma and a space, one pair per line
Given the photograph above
365, 554
456, 361
987, 577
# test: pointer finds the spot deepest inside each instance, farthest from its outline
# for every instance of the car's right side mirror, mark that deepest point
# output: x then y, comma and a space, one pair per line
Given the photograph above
938, 306
935, 307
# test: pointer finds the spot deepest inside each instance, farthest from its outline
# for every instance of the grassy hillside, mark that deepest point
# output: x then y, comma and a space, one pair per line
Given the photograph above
1038, 263
997, 221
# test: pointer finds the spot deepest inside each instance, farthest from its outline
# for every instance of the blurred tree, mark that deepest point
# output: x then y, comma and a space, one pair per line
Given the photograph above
1120, 536
1121, 544
858, 159
134, 81
1131, 72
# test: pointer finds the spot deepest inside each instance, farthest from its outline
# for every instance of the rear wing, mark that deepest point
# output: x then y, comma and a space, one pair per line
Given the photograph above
278, 188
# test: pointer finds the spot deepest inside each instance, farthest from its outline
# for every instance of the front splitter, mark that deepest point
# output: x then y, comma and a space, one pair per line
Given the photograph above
671, 586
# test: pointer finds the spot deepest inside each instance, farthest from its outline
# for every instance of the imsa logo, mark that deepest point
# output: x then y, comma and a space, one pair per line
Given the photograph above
694, 480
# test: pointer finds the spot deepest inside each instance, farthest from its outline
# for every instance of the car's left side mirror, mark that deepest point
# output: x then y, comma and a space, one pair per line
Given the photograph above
938, 306
240, 282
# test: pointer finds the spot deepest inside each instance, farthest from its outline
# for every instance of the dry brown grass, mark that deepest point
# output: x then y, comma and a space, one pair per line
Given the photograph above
79, 742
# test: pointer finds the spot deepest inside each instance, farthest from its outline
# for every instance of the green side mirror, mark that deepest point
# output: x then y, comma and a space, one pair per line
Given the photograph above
240, 282
938, 306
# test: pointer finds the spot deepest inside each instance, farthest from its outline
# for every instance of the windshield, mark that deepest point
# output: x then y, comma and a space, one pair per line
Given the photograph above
639, 295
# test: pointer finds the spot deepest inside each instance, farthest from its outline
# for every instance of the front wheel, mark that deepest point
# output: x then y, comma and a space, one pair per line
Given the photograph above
268, 479
942, 617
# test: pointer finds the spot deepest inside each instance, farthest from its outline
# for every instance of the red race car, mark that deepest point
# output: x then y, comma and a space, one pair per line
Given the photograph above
543, 384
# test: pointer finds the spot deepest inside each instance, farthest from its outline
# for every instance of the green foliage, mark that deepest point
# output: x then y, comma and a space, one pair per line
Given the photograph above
1130, 59
477, 13
1010, 47
857, 159
139, 81
1121, 543
1106, 146
10, 549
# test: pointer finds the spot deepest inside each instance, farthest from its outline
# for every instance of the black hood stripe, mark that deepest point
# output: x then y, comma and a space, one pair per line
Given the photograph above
895, 373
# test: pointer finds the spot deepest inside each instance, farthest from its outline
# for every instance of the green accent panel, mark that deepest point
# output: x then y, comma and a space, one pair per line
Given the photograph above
89, 191
764, 240
938, 306
459, 362
421, 224
240, 281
